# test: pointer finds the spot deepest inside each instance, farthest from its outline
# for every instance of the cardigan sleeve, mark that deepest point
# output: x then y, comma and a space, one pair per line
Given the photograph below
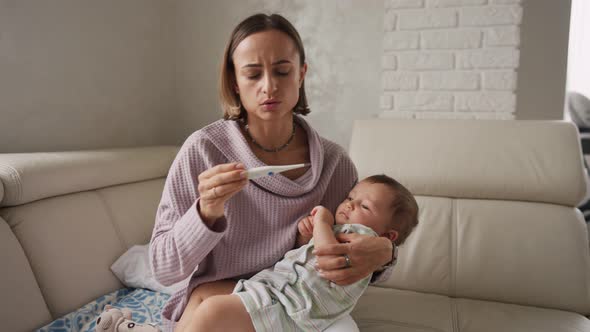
180, 239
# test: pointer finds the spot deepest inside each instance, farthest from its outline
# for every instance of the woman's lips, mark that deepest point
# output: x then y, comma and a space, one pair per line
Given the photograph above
271, 105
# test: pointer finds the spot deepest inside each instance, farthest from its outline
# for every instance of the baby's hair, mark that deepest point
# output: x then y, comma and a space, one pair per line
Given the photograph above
405, 208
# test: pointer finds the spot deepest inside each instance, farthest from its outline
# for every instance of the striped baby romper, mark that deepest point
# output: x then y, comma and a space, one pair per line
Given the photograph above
291, 296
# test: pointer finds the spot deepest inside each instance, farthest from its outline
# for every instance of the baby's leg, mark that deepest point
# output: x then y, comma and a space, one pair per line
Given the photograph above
344, 324
221, 313
200, 294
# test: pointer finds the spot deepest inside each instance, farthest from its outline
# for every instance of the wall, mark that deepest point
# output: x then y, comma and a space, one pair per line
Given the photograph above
85, 74
82, 74
203, 27
543, 60
578, 71
345, 58
450, 59
342, 47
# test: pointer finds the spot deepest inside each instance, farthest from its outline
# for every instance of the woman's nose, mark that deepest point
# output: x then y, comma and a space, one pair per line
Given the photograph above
270, 85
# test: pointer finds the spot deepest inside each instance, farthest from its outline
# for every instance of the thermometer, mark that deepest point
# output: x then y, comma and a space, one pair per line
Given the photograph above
258, 172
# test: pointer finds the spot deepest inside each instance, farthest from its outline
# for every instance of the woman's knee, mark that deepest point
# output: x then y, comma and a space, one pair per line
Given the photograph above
207, 316
212, 308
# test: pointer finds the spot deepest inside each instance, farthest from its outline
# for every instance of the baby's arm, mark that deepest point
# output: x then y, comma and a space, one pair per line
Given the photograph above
323, 220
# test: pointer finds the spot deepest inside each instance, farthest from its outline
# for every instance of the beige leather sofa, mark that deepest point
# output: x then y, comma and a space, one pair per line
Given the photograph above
500, 246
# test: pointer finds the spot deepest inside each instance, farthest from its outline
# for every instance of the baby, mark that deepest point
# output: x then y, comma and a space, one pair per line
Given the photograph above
291, 296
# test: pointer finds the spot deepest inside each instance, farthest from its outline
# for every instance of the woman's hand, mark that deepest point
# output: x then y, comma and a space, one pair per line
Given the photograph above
367, 254
216, 186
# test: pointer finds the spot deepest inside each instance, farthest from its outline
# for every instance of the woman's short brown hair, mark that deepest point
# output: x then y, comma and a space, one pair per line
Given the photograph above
229, 99
405, 207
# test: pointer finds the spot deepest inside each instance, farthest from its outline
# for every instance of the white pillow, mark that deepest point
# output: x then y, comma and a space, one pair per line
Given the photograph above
133, 270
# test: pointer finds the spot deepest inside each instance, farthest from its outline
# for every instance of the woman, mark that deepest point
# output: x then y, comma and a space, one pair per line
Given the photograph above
212, 223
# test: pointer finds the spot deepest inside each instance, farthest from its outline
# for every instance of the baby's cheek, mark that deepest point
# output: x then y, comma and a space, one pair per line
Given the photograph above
338, 219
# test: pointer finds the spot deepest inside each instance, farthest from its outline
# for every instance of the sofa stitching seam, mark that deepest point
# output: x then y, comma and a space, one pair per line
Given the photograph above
34, 272
453, 239
397, 323
453, 245
454, 315
112, 219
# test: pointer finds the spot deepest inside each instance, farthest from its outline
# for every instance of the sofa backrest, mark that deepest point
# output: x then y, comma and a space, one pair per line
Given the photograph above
65, 217
497, 207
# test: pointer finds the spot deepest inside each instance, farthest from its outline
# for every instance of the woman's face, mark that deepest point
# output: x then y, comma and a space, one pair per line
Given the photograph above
268, 75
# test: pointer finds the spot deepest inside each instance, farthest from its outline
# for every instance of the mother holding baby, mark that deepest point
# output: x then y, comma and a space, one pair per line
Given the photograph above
215, 225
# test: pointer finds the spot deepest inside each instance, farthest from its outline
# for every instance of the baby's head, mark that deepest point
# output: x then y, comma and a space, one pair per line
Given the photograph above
383, 204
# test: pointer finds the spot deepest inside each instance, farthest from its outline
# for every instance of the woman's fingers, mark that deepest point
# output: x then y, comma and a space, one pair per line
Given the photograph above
334, 268
350, 237
223, 178
228, 177
221, 168
342, 277
216, 185
331, 262
231, 189
333, 249
224, 191
366, 254
221, 181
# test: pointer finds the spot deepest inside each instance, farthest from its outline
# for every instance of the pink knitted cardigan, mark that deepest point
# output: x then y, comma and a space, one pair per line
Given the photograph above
260, 223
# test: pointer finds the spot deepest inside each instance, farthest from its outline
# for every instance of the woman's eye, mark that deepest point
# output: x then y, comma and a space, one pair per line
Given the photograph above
253, 77
283, 73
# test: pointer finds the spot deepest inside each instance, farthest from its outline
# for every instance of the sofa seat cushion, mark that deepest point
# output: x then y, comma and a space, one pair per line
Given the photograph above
485, 316
385, 309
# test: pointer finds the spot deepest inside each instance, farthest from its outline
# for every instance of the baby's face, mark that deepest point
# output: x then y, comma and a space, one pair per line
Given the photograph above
368, 204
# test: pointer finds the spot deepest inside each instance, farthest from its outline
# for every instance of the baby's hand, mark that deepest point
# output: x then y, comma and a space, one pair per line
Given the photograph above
305, 228
321, 214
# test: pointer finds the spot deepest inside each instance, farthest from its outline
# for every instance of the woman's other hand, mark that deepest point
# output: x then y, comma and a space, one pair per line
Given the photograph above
367, 254
216, 186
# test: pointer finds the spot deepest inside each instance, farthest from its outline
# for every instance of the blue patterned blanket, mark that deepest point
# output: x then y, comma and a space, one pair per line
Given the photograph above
145, 305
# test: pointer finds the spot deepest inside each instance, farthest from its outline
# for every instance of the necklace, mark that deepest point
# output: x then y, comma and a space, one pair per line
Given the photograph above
267, 149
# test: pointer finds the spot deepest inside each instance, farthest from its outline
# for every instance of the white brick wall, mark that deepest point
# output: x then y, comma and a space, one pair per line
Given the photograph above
450, 59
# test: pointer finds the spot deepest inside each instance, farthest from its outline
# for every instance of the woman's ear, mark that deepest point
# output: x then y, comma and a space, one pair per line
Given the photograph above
302, 73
